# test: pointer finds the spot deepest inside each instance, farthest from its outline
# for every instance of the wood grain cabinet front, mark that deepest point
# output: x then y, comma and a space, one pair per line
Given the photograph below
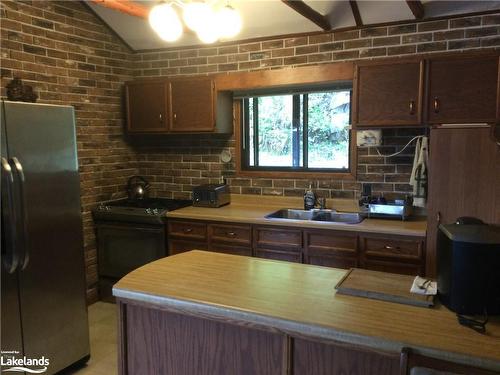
187, 230
388, 93
192, 105
278, 243
462, 90
178, 105
147, 109
396, 254
230, 239
331, 248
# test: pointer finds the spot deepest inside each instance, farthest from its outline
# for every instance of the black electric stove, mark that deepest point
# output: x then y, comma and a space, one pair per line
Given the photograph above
148, 210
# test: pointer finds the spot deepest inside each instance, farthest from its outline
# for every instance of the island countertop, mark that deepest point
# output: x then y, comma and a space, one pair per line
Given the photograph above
301, 299
253, 209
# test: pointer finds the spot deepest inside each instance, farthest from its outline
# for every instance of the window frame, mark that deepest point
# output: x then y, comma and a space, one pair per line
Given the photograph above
242, 163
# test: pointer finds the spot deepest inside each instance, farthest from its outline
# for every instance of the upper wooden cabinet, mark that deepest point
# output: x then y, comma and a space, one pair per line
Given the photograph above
388, 93
192, 105
146, 104
180, 105
463, 89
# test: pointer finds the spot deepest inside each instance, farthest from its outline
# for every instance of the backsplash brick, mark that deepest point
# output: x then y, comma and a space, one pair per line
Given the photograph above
71, 57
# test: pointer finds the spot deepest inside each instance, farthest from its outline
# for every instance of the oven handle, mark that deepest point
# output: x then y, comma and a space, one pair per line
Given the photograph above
130, 227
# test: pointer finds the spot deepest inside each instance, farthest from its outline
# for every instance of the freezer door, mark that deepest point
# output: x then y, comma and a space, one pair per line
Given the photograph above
11, 336
52, 284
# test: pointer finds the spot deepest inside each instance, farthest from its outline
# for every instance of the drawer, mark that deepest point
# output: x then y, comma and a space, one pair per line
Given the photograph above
187, 229
237, 234
397, 248
330, 242
277, 237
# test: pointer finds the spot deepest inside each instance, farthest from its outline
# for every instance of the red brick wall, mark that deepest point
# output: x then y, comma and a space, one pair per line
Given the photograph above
183, 161
70, 57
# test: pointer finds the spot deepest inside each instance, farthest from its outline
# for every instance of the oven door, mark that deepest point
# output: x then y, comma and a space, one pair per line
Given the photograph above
123, 247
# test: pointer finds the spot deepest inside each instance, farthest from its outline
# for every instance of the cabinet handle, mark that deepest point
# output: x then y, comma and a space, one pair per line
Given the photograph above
188, 230
436, 104
175, 117
412, 107
438, 217
161, 117
231, 234
388, 247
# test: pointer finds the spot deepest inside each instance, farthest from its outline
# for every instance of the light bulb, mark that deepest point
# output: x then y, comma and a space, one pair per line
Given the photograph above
195, 14
208, 32
228, 21
164, 20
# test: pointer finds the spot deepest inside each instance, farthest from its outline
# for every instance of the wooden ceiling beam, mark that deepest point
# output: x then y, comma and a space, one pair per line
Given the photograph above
124, 6
306, 11
416, 8
355, 12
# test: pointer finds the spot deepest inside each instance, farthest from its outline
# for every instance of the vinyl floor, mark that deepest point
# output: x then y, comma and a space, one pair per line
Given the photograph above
103, 341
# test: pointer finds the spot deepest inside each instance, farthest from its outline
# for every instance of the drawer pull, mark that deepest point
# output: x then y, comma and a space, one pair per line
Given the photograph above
412, 107
188, 230
436, 104
231, 234
388, 247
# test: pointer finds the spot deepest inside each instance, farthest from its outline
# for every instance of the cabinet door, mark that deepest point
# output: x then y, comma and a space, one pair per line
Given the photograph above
464, 176
318, 358
192, 105
463, 90
288, 256
146, 104
331, 248
176, 246
388, 94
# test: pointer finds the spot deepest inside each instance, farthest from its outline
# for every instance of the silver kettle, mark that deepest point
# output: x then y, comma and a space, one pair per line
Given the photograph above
137, 187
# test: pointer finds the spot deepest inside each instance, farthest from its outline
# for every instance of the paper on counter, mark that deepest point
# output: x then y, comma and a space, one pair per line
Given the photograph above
430, 287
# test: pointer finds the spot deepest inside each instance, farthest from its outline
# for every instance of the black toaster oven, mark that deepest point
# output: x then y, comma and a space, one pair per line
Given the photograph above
211, 195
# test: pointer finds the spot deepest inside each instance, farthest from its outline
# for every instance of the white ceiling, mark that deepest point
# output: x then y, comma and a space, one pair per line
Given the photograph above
265, 18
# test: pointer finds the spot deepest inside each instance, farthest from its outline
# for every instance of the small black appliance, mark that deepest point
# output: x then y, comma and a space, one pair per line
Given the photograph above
211, 195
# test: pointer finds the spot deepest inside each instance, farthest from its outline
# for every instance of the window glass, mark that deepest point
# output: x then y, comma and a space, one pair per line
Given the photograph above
297, 132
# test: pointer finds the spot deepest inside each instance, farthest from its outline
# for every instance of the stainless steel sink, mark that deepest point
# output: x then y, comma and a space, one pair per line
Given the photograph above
336, 217
291, 214
316, 215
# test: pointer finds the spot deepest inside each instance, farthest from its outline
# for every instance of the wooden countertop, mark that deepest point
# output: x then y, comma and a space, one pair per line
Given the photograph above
252, 210
301, 299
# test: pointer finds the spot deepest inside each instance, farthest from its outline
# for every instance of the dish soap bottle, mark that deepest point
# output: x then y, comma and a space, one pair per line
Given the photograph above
309, 199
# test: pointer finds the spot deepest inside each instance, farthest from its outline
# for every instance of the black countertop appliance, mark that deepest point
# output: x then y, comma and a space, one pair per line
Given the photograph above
468, 267
211, 195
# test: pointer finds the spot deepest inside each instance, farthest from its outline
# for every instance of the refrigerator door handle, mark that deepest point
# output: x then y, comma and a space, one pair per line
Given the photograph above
10, 260
22, 209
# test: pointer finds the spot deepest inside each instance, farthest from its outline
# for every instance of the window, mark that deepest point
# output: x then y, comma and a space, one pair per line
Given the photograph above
297, 132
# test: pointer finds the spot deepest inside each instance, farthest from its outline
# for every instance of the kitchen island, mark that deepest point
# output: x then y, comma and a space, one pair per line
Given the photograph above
209, 313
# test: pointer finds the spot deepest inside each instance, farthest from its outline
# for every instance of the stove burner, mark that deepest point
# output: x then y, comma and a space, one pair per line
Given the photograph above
152, 203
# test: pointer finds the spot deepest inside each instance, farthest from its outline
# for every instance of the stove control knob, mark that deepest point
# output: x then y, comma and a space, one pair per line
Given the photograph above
155, 211
148, 211
107, 208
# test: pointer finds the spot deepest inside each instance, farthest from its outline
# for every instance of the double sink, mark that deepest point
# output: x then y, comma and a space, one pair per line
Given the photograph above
330, 216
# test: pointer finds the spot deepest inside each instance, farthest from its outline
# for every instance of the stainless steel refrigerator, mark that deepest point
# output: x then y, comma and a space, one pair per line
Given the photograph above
43, 311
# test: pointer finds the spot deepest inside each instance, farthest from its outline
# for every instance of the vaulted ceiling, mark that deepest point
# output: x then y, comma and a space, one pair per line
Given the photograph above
267, 18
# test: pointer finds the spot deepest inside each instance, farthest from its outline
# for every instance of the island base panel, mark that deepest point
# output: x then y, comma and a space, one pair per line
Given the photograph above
160, 342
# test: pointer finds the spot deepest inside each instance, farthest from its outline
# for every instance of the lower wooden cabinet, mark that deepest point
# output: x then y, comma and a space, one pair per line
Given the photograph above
322, 247
395, 254
318, 358
331, 248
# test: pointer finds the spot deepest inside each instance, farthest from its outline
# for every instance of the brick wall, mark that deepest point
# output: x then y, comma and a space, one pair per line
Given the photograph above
70, 57
184, 161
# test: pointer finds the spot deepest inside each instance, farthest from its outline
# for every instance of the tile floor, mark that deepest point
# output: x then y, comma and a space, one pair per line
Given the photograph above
103, 348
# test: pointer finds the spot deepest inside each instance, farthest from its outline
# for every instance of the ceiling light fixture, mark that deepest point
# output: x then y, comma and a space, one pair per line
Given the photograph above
210, 21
